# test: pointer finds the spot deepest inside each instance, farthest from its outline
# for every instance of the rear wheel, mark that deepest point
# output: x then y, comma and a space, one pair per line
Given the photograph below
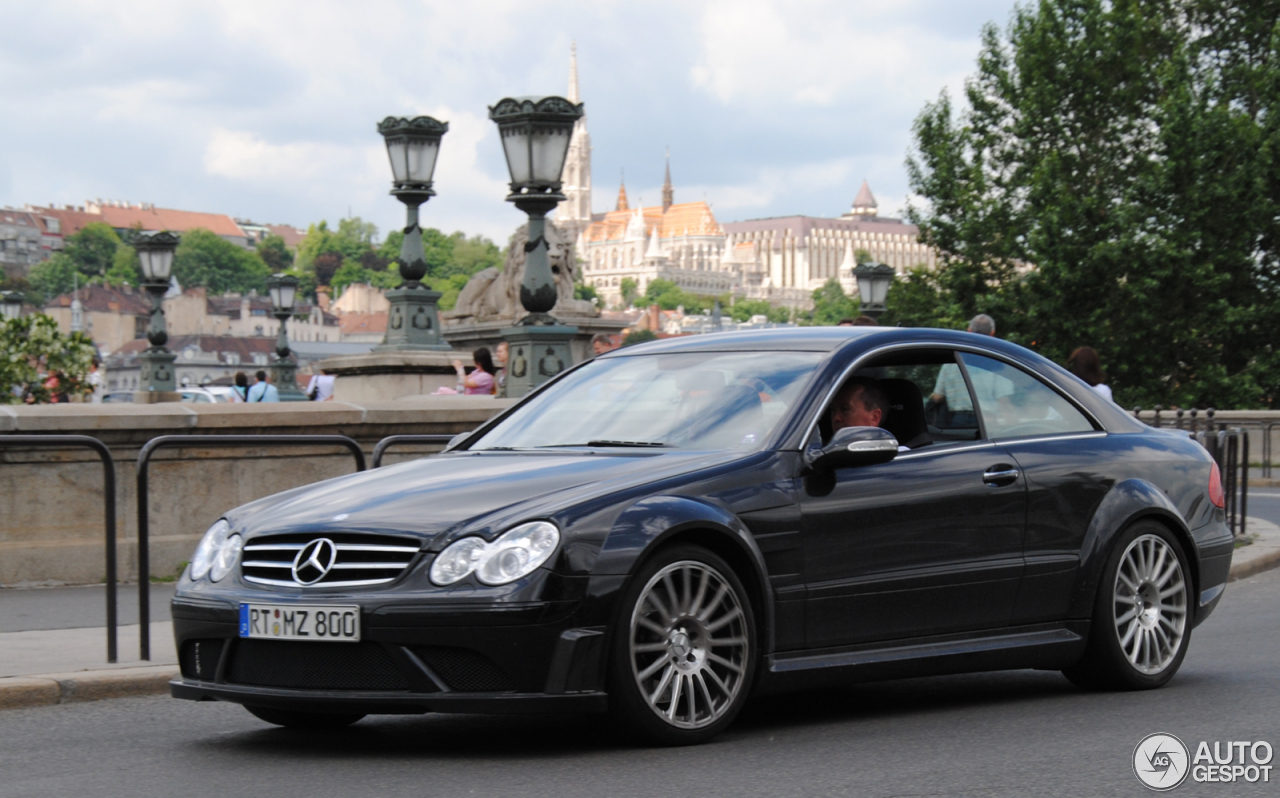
684, 652
315, 721
1141, 619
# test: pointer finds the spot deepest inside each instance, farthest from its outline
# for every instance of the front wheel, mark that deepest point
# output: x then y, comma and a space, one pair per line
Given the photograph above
684, 650
313, 721
1141, 624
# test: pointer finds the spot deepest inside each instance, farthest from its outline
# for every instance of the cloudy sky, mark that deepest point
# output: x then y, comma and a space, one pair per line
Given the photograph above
266, 109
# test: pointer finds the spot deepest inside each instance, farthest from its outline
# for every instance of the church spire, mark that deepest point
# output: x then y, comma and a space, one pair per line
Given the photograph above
668, 194
573, 74
622, 196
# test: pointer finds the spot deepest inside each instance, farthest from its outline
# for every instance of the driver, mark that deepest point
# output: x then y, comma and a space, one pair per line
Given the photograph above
861, 402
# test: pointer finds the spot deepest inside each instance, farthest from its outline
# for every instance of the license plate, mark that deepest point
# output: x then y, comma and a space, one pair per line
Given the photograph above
321, 623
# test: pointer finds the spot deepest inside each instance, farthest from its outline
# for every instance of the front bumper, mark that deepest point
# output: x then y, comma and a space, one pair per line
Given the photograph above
531, 657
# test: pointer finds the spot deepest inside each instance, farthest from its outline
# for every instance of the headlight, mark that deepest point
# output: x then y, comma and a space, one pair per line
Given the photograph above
217, 553
516, 553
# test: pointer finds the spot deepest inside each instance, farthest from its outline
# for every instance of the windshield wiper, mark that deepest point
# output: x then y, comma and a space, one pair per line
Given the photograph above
636, 444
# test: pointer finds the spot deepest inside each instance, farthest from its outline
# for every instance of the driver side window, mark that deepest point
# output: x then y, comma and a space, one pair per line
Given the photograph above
1015, 404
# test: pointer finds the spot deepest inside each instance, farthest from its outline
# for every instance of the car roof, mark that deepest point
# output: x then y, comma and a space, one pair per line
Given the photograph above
802, 339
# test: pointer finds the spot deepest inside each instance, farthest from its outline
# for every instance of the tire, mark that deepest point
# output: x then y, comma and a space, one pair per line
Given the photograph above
312, 721
1142, 614
683, 654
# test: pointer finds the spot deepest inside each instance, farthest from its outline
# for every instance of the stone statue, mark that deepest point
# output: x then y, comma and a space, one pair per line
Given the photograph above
492, 295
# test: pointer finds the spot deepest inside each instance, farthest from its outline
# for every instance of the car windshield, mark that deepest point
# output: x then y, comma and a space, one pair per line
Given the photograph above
695, 400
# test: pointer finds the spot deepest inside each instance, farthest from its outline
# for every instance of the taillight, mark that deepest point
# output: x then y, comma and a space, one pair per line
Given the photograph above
1216, 494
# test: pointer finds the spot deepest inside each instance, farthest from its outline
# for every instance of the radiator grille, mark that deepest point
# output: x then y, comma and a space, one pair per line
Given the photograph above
318, 666
360, 559
464, 670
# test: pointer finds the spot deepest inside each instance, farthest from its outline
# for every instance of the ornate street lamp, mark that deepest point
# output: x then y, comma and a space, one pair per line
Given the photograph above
283, 289
874, 280
11, 304
155, 254
535, 134
412, 146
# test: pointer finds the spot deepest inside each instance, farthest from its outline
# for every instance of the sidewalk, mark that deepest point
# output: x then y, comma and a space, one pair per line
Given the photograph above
57, 666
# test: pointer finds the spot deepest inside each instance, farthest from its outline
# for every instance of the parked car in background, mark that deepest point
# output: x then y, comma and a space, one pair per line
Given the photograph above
202, 395
666, 529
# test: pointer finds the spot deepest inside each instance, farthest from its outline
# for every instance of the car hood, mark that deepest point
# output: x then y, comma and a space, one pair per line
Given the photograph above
476, 491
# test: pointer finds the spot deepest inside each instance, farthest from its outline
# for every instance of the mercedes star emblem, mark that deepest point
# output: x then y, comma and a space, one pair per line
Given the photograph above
314, 561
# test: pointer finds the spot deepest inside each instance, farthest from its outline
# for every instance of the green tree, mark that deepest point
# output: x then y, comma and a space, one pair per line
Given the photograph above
638, 337
669, 296
206, 259
24, 341
54, 276
125, 268
275, 253
584, 291
1113, 182
831, 304
630, 291
352, 271
93, 249
915, 300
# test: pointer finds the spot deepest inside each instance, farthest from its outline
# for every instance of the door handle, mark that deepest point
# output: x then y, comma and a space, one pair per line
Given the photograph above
999, 475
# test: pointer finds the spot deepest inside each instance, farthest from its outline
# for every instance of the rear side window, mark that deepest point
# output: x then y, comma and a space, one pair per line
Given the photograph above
1014, 404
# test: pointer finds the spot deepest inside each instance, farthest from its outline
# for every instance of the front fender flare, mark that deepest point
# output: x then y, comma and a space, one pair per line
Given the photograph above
649, 523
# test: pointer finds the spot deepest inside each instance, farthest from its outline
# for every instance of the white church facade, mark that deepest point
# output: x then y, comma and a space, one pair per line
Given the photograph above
781, 260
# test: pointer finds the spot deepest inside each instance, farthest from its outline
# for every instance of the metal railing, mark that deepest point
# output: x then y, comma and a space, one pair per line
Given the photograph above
396, 440
203, 441
109, 502
1229, 447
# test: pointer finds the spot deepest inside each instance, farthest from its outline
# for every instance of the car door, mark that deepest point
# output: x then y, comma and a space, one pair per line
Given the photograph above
928, 543
1064, 459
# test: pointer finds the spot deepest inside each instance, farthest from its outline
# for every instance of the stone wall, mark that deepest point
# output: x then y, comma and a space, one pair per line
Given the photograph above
51, 505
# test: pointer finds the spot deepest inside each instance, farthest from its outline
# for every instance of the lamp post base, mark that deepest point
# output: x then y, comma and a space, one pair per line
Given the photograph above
156, 371
284, 374
413, 323
538, 353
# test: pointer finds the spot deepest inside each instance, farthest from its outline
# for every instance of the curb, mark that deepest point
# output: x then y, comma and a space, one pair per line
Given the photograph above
1255, 566
22, 692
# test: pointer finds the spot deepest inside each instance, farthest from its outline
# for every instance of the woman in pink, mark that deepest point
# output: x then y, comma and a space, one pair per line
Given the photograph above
480, 381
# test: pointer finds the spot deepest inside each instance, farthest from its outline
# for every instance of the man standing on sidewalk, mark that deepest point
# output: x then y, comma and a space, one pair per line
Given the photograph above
263, 391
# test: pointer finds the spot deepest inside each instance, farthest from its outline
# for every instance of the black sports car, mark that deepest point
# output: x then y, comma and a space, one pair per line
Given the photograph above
669, 528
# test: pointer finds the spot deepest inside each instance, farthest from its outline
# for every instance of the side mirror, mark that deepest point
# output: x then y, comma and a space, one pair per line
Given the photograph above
853, 446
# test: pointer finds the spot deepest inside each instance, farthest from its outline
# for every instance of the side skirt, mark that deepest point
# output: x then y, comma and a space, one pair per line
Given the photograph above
1044, 647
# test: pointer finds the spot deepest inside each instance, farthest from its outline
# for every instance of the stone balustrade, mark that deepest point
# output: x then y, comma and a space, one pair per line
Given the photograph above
51, 513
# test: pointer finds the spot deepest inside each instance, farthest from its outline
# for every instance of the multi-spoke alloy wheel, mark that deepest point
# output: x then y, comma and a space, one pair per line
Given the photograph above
1150, 604
687, 653
1141, 618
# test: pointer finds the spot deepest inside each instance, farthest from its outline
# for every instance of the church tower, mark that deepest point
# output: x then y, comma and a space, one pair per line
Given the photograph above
668, 194
574, 214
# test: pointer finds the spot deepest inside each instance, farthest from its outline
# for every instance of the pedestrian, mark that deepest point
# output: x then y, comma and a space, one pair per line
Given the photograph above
263, 391
240, 391
480, 381
1085, 364
601, 343
864, 321
94, 379
500, 358
320, 389
950, 402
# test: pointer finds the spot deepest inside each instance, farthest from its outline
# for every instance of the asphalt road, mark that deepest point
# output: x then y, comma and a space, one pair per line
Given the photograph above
1021, 733
25, 609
